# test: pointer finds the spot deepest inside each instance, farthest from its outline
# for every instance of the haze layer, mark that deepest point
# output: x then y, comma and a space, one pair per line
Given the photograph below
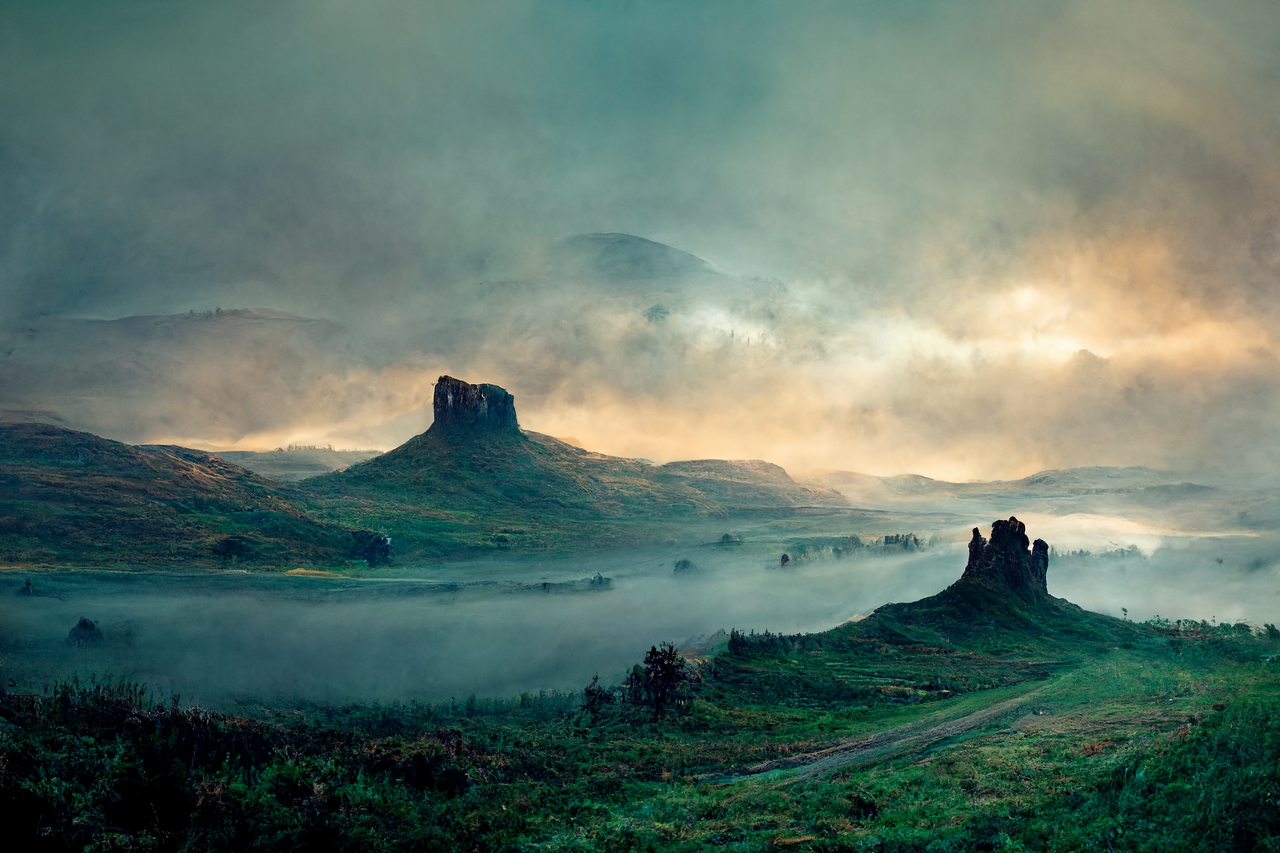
970, 240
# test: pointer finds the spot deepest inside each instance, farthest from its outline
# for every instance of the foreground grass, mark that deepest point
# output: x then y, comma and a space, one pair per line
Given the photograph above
1168, 744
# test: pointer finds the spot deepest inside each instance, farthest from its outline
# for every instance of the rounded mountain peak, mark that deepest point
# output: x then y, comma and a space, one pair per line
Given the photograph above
627, 257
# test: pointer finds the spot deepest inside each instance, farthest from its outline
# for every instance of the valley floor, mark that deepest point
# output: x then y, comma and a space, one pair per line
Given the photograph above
1156, 738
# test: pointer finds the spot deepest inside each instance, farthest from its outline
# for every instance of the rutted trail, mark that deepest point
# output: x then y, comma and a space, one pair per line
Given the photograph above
891, 741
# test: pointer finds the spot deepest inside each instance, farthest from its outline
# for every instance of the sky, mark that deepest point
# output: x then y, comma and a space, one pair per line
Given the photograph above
969, 240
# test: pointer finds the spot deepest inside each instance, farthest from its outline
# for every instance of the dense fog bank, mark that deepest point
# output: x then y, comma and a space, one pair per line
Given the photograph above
223, 638
493, 629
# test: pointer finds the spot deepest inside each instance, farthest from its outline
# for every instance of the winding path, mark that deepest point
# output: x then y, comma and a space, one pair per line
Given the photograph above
888, 742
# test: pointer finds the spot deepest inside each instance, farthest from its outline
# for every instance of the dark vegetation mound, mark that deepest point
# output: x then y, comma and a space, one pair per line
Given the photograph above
85, 633
853, 546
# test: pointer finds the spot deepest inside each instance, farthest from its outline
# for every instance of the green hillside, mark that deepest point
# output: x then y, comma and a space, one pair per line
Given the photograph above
468, 484
70, 498
463, 487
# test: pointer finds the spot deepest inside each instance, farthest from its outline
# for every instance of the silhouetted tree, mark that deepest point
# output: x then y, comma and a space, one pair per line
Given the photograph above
664, 681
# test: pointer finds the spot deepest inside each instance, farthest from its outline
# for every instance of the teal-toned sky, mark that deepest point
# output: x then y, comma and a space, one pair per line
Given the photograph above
968, 239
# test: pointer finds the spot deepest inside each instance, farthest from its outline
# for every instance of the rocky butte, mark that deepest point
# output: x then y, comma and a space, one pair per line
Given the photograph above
466, 411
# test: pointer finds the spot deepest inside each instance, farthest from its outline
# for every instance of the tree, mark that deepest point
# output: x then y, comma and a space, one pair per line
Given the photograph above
665, 680
85, 633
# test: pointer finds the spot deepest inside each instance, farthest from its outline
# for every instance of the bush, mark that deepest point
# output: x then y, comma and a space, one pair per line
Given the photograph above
85, 633
596, 698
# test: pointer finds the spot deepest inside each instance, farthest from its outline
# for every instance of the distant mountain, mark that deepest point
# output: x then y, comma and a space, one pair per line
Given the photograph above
625, 257
73, 498
1052, 483
476, 478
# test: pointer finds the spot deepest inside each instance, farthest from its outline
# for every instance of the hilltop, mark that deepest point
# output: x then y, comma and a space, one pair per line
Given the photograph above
73, 498
291, 464
999, 617
215, 374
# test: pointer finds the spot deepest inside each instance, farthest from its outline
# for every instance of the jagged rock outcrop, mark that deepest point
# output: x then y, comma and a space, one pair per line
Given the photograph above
463, 410
1005, 562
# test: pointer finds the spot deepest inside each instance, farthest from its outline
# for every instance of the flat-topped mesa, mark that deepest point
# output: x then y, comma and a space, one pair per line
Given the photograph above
463, 411
1006, 562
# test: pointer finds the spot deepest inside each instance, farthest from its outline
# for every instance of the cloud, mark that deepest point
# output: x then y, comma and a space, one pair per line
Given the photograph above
918, 219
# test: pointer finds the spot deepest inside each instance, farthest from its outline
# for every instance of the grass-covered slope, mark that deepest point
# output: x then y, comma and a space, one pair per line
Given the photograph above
73, 498
540, 475
474, 482
442, 492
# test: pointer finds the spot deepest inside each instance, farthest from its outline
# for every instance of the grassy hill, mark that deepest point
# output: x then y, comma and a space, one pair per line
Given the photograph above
459, 487
72, 498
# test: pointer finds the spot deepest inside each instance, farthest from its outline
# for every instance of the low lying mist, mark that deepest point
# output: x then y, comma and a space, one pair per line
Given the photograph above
502, 627
1136, 540
228, 639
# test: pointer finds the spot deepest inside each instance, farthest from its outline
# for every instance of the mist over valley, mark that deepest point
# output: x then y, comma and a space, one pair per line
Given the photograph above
503, 613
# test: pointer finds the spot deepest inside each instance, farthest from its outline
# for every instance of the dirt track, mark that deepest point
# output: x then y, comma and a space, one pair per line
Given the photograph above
889, 742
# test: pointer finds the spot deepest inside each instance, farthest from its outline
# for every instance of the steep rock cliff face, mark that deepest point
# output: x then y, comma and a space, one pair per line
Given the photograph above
1006, 563
463, 410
